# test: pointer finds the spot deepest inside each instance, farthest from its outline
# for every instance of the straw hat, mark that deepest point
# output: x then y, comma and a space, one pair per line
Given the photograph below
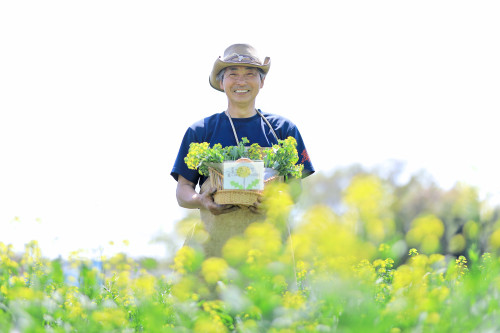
238, 54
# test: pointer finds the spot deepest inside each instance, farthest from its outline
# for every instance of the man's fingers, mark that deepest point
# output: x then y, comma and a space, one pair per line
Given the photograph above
232, 208
223, 209
256, 208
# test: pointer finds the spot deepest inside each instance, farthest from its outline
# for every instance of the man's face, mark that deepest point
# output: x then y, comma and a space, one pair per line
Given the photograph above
241, 84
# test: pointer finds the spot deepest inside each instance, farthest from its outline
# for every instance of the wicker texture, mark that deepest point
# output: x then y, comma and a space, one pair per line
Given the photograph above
236, 197
216, 178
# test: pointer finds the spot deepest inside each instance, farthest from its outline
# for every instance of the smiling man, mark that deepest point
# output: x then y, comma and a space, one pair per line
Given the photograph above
240, 74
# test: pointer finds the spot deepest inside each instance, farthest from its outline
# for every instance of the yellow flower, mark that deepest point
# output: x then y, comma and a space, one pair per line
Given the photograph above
433, 318
208, 325
144, 285
110, 317
214, 269
384, 247
279, 283
434, 258
440, 293
293, 300
9, 263
235, 250
3, 248
425, 232
264, 241
185, 288
186, 260
243, 171
123, 280
471, 229
495, 239
402, 277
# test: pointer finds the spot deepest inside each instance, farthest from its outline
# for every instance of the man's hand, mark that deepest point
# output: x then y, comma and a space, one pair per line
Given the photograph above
207, 201
187, 197
257, 207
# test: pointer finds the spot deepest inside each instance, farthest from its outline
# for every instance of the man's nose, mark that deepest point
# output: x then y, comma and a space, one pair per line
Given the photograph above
240, 79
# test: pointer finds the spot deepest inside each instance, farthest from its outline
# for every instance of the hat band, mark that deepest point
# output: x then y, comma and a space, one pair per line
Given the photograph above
243, 58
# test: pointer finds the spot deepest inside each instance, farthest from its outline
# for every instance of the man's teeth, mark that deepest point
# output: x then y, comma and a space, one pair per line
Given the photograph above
241, 91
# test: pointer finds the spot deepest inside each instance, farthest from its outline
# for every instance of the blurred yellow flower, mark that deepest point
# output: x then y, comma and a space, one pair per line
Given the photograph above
495, 240
185, 288
426, 232
294, 300
123, 279
457, 244
243, 171
144, 285
214, 269
110, 317
436, 257
24, 293
383, 247
471, 230
207, 325
186, 260
432, 318
235, 250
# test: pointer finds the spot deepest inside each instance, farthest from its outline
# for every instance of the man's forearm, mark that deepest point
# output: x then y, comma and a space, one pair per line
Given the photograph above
187, 197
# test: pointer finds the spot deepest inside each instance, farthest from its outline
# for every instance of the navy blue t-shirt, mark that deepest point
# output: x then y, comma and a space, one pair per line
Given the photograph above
217, 129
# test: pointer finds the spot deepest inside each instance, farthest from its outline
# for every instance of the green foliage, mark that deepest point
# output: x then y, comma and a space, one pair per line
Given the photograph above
237, 185
200, 155
349, 271
253, 184
282, 157
417, 211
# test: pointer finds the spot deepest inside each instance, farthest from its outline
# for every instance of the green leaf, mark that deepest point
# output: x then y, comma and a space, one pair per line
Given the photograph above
237, 185
253, 184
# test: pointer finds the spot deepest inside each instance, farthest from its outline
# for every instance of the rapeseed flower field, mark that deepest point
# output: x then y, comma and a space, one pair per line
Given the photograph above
329, 272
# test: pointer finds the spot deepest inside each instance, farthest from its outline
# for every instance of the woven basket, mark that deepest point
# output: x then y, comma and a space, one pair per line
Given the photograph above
236, 197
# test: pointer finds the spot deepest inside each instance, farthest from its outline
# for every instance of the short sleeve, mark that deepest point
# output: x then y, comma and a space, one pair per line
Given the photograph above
180, 167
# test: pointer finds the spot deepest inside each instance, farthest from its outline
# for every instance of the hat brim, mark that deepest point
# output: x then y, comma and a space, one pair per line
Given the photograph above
220, 65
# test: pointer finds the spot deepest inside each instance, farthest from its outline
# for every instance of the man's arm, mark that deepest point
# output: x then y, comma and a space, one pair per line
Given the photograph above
187, 197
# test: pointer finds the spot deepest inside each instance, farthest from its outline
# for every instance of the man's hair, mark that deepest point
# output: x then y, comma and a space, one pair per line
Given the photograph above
220, 76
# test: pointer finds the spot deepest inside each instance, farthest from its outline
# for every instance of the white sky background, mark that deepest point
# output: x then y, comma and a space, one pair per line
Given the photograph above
95, 97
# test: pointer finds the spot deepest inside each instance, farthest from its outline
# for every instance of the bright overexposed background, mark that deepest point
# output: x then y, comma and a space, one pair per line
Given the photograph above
95, 97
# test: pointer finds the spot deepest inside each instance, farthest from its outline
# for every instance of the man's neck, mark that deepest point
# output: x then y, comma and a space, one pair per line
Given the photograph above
236, 112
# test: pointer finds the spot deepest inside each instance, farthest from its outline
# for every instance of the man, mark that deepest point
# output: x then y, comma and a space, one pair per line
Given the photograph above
240, 75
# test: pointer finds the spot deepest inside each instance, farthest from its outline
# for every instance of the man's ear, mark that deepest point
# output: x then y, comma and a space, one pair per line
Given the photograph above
262, 82
221, 85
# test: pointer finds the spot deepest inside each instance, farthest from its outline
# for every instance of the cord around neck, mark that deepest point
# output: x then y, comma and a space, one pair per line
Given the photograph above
261, 115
